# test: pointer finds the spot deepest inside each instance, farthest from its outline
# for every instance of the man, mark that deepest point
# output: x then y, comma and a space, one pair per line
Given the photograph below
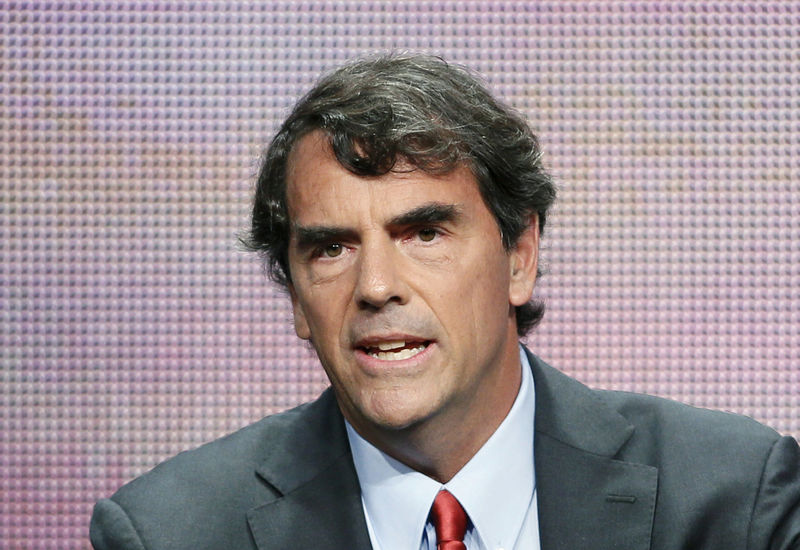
401, 206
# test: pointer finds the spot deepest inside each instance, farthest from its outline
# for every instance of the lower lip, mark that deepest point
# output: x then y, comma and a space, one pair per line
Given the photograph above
374, 365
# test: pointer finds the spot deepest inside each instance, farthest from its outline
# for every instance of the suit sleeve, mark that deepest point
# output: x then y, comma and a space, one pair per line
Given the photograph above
111, 528
775, 524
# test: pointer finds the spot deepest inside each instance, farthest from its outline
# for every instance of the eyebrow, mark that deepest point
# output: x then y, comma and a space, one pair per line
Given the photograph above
431, 213
311, 236
426, 214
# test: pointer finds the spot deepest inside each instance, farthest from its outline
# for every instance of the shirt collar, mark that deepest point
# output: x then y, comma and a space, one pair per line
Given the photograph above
495, 487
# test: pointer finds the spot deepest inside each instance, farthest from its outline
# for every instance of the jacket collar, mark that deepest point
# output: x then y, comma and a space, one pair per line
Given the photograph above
318, 500
588, 497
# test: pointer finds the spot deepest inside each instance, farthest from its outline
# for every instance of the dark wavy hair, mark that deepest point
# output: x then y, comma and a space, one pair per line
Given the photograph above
421, 110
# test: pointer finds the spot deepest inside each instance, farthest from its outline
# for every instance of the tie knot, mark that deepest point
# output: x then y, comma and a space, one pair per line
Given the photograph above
450, 522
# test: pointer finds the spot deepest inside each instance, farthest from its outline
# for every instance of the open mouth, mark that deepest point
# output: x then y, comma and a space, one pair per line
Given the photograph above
396, 351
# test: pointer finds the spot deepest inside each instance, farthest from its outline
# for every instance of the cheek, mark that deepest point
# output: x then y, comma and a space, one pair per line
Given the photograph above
476, 294
325, 308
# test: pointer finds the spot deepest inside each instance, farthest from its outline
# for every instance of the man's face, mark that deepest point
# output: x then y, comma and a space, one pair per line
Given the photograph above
402, 285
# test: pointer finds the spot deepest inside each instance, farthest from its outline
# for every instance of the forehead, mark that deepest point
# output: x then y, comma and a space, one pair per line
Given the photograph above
318, 186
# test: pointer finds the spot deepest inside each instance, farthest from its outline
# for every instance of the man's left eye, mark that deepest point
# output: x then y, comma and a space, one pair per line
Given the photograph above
332, 250
427, 234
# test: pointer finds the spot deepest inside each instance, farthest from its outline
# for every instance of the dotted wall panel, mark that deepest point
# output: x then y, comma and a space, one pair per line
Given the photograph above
132, 325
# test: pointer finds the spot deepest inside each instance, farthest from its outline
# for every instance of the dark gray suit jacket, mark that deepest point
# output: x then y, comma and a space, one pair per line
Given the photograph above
614, 471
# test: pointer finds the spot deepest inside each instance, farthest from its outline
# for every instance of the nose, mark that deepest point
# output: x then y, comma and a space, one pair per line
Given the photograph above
379, 279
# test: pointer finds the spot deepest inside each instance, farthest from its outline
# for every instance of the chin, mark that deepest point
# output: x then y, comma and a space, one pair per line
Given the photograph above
396, 414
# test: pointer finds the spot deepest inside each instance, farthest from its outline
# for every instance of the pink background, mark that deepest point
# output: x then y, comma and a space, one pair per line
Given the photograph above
131, 326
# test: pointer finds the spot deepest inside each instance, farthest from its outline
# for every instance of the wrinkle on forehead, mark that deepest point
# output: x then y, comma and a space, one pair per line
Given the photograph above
314, 153
318, 139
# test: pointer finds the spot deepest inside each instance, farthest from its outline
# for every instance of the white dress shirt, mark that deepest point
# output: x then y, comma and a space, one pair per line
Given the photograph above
497, 488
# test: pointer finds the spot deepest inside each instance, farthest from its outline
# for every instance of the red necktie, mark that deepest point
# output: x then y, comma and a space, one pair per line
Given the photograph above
450, 522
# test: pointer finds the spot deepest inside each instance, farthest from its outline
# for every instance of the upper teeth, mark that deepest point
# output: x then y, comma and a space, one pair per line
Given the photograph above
386, 346
396, 351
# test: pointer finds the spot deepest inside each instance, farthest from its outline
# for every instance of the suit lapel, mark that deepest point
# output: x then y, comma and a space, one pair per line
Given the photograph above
587, 497
318, 501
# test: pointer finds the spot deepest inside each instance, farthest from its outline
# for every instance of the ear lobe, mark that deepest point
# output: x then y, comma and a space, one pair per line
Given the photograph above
301, 327
524, 261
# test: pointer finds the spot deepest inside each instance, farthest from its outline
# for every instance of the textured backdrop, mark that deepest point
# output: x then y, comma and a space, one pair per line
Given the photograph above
131, 325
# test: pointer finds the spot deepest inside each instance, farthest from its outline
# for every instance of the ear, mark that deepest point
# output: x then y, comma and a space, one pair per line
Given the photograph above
523, 262
300, 322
